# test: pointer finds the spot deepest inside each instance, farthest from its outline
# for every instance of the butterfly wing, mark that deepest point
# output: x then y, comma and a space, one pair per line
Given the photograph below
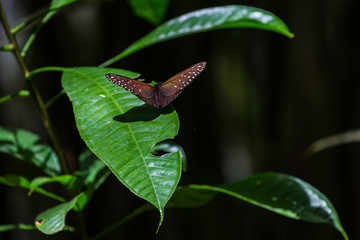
143, 91
172, 88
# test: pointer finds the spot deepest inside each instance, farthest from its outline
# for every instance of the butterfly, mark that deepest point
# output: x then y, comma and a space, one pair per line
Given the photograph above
162, 93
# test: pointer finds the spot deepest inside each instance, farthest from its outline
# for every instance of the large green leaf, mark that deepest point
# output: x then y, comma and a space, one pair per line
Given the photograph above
25, 145
285, 195
208, 19
151, 10
121, 130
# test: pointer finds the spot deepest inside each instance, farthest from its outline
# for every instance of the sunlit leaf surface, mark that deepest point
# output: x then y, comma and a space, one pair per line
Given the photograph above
208, 19
121, 130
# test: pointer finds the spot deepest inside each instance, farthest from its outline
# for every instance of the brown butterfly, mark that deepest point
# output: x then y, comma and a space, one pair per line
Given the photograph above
161, 94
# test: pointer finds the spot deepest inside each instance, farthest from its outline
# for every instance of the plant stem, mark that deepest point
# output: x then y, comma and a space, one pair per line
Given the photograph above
20, 94
8, 47
82, 226
34, 92
135, 213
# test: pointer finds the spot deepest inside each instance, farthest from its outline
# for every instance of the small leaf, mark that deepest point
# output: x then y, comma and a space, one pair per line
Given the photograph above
25, 145
285, 195
121, 130
66, 180
15, 181
20, 181
208, 19
150, 10
89, 167
53, 220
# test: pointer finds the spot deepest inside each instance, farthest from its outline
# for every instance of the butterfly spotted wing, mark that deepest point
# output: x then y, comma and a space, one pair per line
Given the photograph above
160, 94
143, 91
172, 88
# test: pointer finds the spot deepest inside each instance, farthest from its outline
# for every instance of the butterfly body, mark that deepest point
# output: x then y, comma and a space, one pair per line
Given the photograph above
161, 94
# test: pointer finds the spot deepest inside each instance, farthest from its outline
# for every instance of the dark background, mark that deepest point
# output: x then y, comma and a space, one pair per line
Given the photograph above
261, 101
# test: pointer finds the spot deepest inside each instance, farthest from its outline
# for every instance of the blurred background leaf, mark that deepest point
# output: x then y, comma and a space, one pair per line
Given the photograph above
151, 10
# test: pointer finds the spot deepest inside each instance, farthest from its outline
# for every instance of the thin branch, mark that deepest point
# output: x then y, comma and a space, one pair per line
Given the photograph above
7, 47
36, 32
13, 41
20, 94
53, 99
135, 213
28, 22
34, 93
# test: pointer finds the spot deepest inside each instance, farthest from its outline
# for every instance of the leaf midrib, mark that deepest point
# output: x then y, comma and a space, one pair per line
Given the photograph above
129, 127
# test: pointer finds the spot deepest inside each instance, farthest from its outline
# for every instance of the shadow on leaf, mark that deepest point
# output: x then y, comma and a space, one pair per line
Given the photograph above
142, 113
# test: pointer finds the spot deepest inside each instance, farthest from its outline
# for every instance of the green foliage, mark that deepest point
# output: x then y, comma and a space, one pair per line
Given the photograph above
25, 146
53, 220
151, 10
125, 137
20, 181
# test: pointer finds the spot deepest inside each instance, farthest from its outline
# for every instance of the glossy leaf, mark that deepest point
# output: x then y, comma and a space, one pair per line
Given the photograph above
208, 19
25, 145
20, 181
121, 130
285, 195
150, 10
53, 220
